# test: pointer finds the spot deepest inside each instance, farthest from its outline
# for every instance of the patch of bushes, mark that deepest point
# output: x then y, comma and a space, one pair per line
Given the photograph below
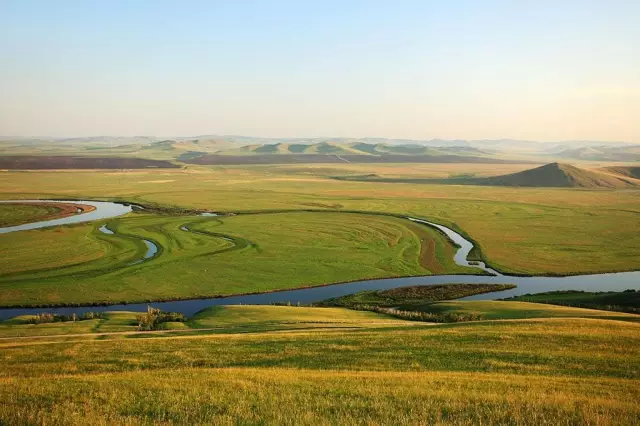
151, 319
47, 317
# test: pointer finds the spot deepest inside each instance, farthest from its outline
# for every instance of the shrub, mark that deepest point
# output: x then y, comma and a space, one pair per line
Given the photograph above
47, 317
153, 317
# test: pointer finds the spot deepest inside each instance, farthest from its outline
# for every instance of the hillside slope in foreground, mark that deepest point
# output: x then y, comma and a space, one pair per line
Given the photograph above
365, 370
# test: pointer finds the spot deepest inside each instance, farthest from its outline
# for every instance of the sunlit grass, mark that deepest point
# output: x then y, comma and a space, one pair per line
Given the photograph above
510, 372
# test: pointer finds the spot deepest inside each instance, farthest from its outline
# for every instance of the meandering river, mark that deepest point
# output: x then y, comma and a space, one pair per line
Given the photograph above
104, 210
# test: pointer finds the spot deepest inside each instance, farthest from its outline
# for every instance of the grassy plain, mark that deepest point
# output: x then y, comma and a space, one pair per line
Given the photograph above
382, 372
216, 256
520, 230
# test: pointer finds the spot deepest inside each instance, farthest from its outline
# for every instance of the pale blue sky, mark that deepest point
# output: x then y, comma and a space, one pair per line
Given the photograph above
543, 70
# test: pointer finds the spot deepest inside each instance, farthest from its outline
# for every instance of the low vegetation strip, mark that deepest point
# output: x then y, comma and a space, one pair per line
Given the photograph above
622, 301
413, 295
34, 162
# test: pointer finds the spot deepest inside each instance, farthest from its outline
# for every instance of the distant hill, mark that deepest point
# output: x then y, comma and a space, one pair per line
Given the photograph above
550, 175
351, 148
340, 152
558, 175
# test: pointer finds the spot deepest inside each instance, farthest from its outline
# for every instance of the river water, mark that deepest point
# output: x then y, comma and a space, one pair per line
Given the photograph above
596, 282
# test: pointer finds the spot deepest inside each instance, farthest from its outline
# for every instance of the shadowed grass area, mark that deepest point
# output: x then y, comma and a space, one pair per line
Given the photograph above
517, 310
622, 301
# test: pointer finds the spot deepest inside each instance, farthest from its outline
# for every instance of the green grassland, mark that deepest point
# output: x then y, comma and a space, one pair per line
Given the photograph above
624, 301
519, 230
216, 256
16, 214
330, 366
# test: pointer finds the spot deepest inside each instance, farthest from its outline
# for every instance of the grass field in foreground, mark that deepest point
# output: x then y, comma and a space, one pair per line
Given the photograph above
78, 264
523, 230
509, 372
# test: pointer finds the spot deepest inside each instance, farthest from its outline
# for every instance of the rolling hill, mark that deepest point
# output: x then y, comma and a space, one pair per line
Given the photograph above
339, 152
559, 175
351, 148
553, 175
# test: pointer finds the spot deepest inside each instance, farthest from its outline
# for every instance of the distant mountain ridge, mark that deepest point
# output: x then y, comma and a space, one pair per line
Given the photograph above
181, 147
350, 148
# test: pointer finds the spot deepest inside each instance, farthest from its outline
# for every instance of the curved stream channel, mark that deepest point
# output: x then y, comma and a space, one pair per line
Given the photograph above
104, 210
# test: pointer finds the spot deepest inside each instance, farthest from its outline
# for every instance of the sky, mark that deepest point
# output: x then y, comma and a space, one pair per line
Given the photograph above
535, 70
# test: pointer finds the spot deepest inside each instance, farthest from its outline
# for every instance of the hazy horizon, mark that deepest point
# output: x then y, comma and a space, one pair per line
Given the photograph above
546, 71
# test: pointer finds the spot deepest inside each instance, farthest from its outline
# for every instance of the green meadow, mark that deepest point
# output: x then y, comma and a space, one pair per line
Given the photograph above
215, 256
